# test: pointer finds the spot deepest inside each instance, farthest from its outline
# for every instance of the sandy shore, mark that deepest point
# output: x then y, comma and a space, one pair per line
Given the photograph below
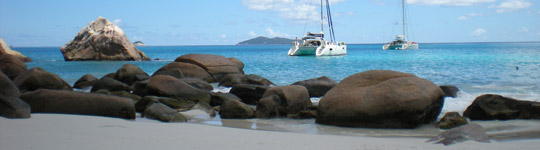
69, 132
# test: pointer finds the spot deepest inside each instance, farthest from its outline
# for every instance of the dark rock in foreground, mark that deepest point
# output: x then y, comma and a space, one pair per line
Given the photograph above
250, 94
219, 98
129, 74
13, 107
236, 110
496, 107
216, 65
449, 90
233, 79
11, 66
163, 113
317, 87
282, 101
470, 131
184, 70
7, 88
451, 120
381, 99
101, 40
110, 84
69, 102
37, 78
85, 81
168, 86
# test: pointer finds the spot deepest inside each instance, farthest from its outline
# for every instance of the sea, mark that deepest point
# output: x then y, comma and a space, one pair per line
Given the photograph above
508, 69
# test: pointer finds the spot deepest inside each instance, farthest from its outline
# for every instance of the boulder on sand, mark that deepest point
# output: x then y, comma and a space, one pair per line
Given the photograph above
37, 78
11, 66
163, 113
13, 107
70, 102
381, 99
497, 107
250, 94
282, 101
234, 109
5, 50
218, 66
101, 40
7, 88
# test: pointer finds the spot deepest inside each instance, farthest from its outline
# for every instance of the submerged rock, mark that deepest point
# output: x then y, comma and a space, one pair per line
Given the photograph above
497, 107
101, 40
451, 120
5, 50
381, 99
463, 133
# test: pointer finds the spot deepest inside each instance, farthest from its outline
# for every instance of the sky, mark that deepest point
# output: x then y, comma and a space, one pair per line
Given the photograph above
35, 23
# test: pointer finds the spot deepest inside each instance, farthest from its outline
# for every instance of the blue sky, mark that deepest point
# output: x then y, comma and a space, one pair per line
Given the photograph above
227, 22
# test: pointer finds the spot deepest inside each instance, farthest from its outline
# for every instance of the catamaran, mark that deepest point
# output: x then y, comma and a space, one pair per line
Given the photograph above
400, 43
315, 43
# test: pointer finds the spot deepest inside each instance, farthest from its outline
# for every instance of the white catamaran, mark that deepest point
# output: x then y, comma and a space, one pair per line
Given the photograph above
315, 44
400, 43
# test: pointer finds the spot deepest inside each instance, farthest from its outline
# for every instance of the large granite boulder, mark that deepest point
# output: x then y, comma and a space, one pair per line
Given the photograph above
101, 40
317, 87
381, 99
85, 81
239, 64
284, 100
236, 110
110, 84
37, 78
171, 102
198, 83
11, 66
163, 113
70, 102
187, 70
7, 88
129, 73
13, 107
168, 86
233, 79
249, 93
218, 66
497, 107
5, 50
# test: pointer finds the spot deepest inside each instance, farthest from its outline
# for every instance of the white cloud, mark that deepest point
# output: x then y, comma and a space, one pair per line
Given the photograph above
524, 29
252, 34
117, 21
223, 36
464, 18
297, 11
475, 14
449, 2
273, 33
512, 5
478, 32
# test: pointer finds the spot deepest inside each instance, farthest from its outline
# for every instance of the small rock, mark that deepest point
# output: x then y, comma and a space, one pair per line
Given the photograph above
449, 90
451, 120
85, 81
163, 113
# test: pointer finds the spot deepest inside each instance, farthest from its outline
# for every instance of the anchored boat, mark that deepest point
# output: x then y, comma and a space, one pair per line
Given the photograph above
400, 43
315, 44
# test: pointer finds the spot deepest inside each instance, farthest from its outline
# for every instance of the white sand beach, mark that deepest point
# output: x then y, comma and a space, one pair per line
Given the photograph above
68, 132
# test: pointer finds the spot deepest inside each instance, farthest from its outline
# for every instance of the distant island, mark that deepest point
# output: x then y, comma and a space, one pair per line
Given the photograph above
139, 43
261, 40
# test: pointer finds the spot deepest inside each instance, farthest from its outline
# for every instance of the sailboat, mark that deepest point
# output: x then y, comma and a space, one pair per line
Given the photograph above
316, 44
400, 43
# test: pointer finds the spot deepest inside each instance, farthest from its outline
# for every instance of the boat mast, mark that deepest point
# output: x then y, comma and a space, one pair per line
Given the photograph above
403, 15
322, 18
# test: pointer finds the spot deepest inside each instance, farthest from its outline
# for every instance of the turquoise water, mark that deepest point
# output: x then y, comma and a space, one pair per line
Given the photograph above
510, 69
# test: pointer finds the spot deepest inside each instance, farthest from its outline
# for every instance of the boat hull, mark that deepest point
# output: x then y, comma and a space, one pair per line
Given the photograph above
400, 47
302, 50
323, 50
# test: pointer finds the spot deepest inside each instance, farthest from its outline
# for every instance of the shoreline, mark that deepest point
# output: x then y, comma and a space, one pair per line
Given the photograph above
59, 131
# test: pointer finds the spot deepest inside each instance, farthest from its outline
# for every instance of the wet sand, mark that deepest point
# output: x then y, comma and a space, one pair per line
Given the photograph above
58, 132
